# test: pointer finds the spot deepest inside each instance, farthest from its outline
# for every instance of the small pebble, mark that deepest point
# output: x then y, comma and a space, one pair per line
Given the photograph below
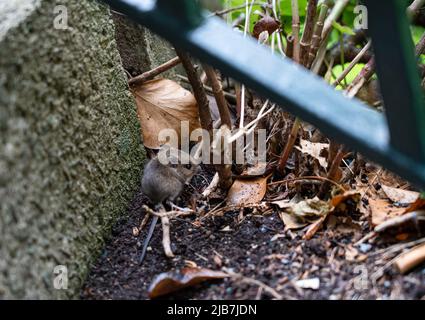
365, 247
313, 283
263, 229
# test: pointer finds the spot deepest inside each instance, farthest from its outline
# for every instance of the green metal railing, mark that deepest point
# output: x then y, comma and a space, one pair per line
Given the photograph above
395, 140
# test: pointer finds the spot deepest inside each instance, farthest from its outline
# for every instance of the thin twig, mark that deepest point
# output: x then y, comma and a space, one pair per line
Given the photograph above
251, 126
166, 242
198, 91
352, 64
236, 8
229, 96
363, 76
148, 75
332, 174
165, 221
397, 248
308, 178
289, 145
217, 88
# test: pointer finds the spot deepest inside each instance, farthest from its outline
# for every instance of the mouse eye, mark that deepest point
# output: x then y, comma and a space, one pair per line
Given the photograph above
173, 165
188, 166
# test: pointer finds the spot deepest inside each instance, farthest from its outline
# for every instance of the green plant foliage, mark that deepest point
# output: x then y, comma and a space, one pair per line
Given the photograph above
344, 26
343, 29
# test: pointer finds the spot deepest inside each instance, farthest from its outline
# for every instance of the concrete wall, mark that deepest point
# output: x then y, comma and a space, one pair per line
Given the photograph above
70, 150
140, 49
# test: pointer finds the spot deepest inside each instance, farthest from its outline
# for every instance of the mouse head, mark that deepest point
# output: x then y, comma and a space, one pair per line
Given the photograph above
182, 162
187, 171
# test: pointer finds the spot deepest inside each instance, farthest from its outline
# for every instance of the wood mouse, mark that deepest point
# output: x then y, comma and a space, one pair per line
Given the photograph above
164, 183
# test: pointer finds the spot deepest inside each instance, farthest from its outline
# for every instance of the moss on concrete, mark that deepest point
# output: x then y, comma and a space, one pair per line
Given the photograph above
70, 150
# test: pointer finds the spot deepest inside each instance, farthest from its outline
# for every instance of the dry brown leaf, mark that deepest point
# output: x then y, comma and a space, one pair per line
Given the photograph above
419, 204
290, 221
164, 104
381, 210
314, 150
308, 209
351, 253
400, 195
168, 282
402, 226
341, 198
297, 214
337, 203
247, 191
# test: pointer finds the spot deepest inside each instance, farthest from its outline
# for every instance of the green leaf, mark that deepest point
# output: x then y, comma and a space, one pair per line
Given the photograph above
343, 29
337, 70
286, 7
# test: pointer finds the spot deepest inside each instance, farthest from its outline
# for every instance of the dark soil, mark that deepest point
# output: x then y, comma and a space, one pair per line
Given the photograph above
252, 249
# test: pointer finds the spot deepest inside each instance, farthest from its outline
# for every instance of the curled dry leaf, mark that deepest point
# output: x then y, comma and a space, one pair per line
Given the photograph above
339, 200
399, 195
247, 191
307, 209
315, 150
296, 215
382, 210
419, 204
168, 282
291, 222
164, 104
337, 203
408, 223
266, 23
389, 219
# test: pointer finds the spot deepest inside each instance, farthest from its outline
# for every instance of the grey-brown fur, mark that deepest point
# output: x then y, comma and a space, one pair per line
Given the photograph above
165, 182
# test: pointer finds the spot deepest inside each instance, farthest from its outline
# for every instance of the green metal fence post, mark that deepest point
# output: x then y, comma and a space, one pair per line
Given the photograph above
398, 76
188, 11
304, 94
